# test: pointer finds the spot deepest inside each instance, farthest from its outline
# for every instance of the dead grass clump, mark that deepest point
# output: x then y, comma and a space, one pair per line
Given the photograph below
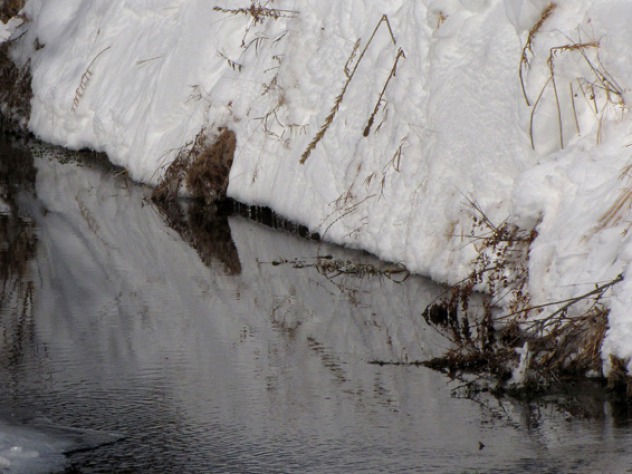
598, 88
587, 78
502, 263
10, 8
541, 342
203, 168
572, 346
15, 91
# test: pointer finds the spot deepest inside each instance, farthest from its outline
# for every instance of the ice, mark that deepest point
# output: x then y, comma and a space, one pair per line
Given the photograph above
39, 446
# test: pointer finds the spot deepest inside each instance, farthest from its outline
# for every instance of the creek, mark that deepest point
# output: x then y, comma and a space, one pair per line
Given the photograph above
215, 344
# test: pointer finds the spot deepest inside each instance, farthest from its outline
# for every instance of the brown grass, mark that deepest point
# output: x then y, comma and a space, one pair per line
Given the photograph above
378, 104
559, 343
524, 58
10, 8
600, 90
349, 74
203, 168
15, 91
85, 79
258, 13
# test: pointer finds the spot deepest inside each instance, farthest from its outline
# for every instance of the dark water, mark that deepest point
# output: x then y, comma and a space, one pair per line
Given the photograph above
202, 343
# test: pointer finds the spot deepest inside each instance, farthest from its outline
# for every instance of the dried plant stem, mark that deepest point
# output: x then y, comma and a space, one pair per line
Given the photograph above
346, 212
257, 12
572, 94
367, 129
334, 110
613, 215
557, 99
85, 79
524, 60
560, 313
603, 83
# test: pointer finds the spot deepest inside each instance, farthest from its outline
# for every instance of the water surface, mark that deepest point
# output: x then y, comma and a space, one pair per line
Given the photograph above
214, 344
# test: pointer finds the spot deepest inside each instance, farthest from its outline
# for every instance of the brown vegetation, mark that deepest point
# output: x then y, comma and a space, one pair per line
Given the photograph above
203, 168
548, 341
257, 12
10, 8
15, 91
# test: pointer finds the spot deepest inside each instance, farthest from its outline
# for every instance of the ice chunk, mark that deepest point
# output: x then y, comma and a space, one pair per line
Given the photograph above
40, 446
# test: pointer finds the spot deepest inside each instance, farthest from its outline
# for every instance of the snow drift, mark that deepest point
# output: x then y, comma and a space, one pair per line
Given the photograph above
388, 126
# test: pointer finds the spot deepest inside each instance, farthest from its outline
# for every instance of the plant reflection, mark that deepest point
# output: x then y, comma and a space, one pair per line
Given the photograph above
206, 230
18, 242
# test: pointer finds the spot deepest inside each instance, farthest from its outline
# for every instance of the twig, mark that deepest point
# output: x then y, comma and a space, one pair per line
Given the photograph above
400, 54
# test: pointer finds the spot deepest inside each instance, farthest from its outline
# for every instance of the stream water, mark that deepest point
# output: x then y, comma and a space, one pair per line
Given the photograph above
209, 344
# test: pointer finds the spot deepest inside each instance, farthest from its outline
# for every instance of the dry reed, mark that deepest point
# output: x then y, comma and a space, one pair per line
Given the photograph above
338, 101
524, 59
85, 80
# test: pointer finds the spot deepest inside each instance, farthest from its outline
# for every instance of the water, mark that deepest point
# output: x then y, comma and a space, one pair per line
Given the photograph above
214, 345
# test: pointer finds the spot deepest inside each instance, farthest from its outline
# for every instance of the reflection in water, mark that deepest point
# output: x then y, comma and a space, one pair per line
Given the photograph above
250, 366
206, 230
17, 247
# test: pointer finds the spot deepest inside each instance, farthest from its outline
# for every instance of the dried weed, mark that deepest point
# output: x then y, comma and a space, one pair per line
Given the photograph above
258, 12
546, 338
10, 8
527, 48
85, 79
15, 81
203, 167
349, 74
600, 90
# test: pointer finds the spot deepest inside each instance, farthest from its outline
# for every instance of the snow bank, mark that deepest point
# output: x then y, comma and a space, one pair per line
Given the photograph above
373, 123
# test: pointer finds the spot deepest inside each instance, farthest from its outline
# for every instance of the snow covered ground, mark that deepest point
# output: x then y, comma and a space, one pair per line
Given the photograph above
374, 123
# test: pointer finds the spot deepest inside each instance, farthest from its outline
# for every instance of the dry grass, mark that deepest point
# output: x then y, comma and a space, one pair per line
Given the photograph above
555, 339
15, 81
378, 104
617, 210
258, 12
15, 91
331, 268
85, 79
599, 89
234, 65
203, 168
349, 74
527, 48
10, 8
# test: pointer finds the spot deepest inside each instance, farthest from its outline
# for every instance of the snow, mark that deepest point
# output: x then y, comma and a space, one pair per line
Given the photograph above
140, 79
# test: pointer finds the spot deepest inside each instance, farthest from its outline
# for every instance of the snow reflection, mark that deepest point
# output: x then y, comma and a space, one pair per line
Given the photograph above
217, 345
